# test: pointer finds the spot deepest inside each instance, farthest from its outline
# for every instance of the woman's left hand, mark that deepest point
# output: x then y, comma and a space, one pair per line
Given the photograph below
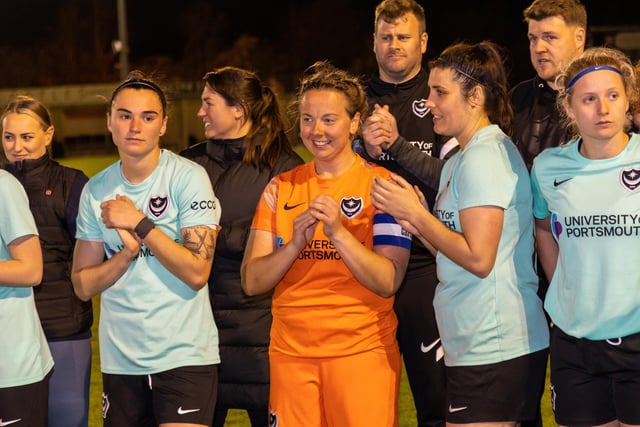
397, 198
120, 213
326, 210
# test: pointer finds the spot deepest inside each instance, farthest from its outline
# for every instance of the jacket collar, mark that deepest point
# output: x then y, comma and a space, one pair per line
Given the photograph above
225, 150
25, 166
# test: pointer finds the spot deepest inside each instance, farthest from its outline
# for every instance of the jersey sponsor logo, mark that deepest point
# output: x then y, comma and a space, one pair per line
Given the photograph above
446, 217
557, 183
424, 146
202, 205
596, 225
319, 250
630, 179
556, 225
186, 411
288, 207
385, 157
6, 423
158, 205
351, 206
420, 108
453, 409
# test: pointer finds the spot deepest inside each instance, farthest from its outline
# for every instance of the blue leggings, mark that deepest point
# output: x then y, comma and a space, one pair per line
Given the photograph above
69, 385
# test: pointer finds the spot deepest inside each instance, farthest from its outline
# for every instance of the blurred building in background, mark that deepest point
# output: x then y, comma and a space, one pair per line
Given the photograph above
79, 116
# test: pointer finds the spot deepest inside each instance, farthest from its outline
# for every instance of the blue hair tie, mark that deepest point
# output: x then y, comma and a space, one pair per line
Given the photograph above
590, 70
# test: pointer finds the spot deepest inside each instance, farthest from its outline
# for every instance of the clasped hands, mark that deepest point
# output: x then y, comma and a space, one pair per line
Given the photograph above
322, 208
122, 215
379, 131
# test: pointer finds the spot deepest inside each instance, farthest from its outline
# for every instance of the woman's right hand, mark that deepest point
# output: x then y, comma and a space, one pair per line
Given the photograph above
303, 228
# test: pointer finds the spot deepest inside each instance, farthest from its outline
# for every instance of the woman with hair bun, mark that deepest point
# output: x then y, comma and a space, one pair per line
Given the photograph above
491, 322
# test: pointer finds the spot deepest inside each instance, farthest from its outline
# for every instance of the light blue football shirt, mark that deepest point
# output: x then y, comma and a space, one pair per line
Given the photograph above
594, 210
24, 356
500, 317
151, 321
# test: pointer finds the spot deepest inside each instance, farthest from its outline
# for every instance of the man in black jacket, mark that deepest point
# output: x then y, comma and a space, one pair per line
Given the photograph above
556, 30
399, 88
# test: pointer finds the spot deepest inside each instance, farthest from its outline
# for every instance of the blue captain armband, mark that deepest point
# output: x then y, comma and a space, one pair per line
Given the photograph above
386, 231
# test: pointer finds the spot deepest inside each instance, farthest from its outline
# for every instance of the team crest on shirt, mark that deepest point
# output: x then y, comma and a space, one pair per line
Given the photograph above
351, 206
158, 205
630, 178
420, 108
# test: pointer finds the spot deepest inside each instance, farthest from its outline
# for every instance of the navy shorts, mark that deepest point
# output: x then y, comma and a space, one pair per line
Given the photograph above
595, 382
182, 395
504, 391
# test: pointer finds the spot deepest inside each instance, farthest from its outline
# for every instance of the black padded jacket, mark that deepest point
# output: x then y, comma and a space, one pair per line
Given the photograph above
536, 119
54, 194
243, 322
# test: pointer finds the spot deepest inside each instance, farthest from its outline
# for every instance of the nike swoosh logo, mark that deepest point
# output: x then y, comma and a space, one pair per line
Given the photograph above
426, 349
288, 208
6, 423
186, 411
556, 182
458, 409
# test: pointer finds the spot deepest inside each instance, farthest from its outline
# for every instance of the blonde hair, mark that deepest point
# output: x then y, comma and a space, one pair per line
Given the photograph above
22, 104
593, 57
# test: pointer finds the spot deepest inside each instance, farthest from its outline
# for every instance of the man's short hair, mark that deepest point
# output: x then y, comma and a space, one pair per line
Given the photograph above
572, 11
390, 10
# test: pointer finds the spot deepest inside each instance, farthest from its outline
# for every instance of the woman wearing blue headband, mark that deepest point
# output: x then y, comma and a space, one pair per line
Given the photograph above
587, 209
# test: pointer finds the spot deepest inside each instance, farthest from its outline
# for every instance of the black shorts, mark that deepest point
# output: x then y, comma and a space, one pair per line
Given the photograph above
182, 395
595, 382
27, 403
504, 391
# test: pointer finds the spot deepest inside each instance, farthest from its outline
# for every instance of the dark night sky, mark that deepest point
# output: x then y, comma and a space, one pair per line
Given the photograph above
153, 24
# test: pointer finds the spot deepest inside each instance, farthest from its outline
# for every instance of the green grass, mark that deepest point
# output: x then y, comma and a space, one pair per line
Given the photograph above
236, 418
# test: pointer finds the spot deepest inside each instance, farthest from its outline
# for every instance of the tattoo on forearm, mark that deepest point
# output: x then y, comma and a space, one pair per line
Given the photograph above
199, 240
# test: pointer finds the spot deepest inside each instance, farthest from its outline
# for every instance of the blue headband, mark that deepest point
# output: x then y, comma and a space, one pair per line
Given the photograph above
590, 70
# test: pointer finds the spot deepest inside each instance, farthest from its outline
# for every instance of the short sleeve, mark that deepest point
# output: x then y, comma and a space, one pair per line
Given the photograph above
540, 206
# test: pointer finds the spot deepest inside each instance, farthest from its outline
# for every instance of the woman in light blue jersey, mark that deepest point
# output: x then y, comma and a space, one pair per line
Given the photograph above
491, 322
25, 360
54, 193
587, 209
146, 233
